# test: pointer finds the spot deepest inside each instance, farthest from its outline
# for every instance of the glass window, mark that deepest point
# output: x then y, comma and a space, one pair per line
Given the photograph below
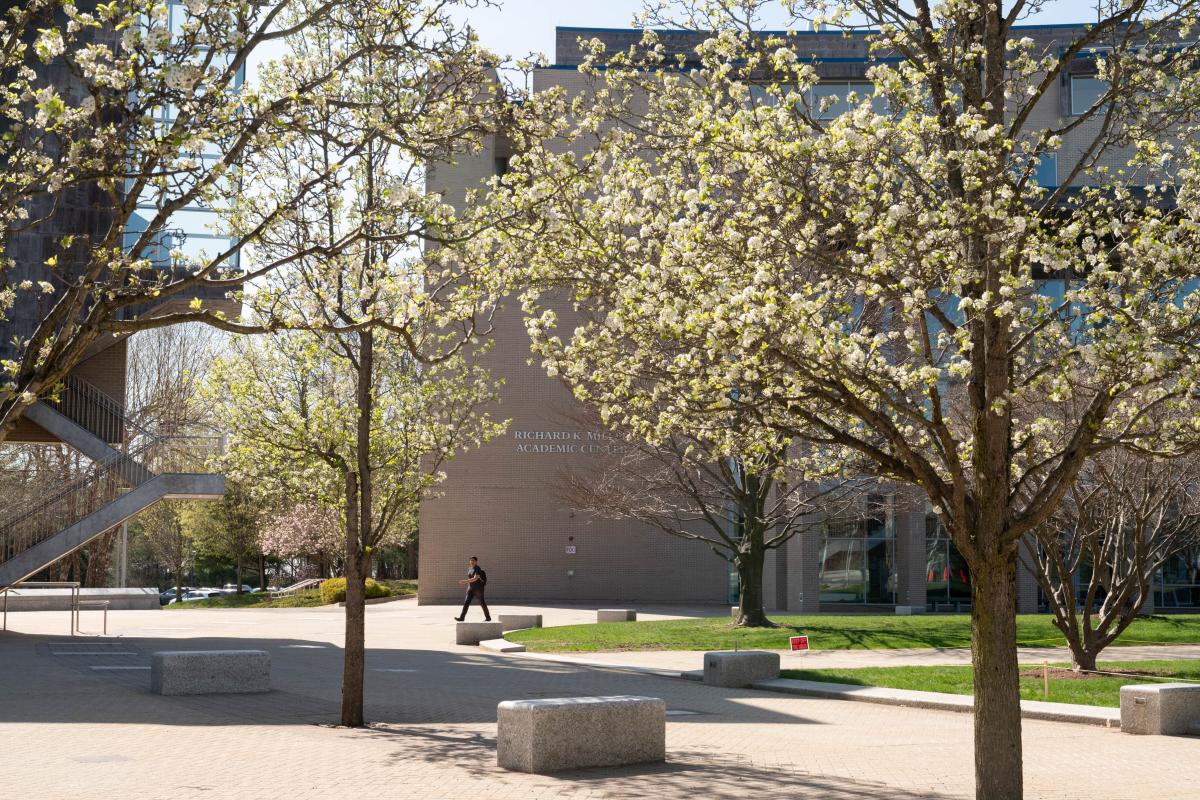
947, 577
858, 556
1178, 584
831, 99
1086, 91
1047, 171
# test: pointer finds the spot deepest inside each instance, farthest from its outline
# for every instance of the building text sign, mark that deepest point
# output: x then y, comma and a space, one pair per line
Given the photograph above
566, 442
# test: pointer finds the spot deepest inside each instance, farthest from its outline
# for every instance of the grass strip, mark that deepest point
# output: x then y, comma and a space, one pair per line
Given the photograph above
826, 632
1066, 686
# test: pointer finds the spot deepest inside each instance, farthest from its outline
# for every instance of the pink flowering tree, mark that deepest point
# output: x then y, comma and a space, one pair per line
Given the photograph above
308, 530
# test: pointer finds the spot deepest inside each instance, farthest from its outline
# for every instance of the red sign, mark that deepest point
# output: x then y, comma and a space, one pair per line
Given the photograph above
799, 642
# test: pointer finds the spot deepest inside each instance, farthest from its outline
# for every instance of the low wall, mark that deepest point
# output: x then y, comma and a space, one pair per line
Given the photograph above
60, 599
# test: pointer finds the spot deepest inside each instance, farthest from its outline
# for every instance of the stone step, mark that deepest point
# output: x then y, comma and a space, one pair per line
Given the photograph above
476, 632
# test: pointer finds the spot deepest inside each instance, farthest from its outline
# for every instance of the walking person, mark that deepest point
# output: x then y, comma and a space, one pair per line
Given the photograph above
475, 581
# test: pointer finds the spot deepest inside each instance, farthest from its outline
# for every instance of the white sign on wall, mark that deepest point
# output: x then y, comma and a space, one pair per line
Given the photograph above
570, 549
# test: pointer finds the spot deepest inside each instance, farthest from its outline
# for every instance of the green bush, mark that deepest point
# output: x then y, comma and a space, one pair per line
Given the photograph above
334, 590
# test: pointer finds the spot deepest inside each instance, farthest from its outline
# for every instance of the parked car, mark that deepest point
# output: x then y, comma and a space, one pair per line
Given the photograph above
168, 596
200, 594
231, 588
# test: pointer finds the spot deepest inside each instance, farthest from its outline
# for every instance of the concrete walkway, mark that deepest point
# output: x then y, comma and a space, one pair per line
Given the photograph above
78, 722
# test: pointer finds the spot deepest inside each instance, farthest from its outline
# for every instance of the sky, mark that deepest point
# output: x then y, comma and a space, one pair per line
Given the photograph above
518, 28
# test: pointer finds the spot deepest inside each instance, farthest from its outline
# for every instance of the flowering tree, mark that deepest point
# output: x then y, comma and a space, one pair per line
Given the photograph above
306, 417
884, 280
307, 529
741, 507
379, 391
142, 119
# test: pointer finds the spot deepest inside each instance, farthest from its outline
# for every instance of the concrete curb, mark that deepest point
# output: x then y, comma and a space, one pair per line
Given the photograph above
374, 601
1030, 709
502, 646
583, 662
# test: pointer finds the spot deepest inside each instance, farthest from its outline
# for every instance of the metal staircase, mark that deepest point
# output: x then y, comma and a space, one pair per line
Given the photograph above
120, 484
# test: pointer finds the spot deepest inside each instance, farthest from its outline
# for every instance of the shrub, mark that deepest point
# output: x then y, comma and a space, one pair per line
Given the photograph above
334, 590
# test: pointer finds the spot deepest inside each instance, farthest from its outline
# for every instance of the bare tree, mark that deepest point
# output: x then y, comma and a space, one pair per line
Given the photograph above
1096, 558
166, 368
169, 541
741, 506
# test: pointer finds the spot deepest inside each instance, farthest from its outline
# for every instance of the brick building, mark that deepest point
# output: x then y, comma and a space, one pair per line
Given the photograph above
500, 501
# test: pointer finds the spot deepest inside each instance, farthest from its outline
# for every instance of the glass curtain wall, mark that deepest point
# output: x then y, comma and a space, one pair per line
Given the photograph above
194, 232
858, 555
947, 578
1178, 584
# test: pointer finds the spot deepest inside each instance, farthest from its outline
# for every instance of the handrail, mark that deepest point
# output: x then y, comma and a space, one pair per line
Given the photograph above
94, 410
299, 586
102, 416
104, 484
99, 470
74, 609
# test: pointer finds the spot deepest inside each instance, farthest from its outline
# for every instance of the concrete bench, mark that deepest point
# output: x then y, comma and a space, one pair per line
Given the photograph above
739, 669
616, 615
476, 632
575, 732
1166, 709
516, 622
177, 672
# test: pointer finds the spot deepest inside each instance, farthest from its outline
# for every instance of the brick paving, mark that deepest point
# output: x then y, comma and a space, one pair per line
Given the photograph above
71, 732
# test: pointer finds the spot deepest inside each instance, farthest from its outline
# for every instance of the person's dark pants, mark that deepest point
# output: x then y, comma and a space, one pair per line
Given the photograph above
477, 594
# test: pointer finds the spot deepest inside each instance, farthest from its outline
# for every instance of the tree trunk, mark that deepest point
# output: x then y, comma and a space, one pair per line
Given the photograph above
1083, 658
238, 573
749, 564
359, 541
262, 572
353, 654
997, 684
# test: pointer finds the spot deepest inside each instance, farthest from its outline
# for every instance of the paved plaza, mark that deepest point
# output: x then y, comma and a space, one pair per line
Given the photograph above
77, 721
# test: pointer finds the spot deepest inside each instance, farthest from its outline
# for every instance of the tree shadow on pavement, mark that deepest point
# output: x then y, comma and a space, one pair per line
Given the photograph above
699, 773
56, 679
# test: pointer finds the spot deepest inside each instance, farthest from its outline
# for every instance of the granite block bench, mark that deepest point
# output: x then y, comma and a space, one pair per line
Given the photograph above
741, 668
516, 622
1166, 709
616, 615
476, 632
181, 672
567, 733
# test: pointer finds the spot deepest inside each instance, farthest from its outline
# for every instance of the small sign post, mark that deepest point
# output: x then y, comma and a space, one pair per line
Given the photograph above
799, 644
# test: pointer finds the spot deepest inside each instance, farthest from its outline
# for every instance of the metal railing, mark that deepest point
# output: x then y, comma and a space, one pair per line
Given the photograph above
146, 455
70, 503
91, 409
300, 586
74, 607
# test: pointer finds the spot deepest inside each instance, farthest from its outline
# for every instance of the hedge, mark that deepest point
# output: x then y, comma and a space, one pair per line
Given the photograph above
334, 590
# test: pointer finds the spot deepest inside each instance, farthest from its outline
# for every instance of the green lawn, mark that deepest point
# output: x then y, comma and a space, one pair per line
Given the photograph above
1065, 686
298, 600
851, 632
